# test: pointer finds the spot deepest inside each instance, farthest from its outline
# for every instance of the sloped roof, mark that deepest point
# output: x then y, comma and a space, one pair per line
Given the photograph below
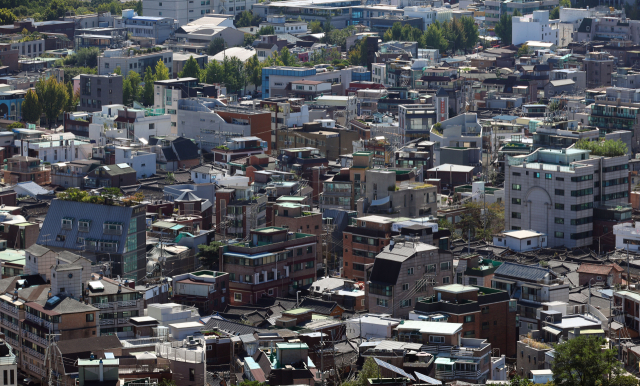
525, 272
596, 269
319, 306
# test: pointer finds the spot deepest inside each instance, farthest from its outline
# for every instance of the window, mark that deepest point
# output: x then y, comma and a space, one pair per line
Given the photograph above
485, 310
192, 375
588, 177
469, 318
536, 175
237, 297
299, 252
446, 280
516, 201
309, 249
559, 192
431, 268
11, 379
559, 220
405, 303
559, 178
547, 176
528, 242
436, 339
382, 302
581, 192
410, 271
516, 215
405, 287
516, 187
485, 325
559, 235
6, 376
469, 334
445, 266
473, 281
89, 317
559, 206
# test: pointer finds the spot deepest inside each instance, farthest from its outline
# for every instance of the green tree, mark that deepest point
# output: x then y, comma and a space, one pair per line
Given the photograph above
479, 225
87, 57
127, 93
624, 380
369, 370
524, 50
7, 17
73, 99
607, 148
582, 361
565, 3
248, 40
517, 13
147, 92
213, 73
31, 107
315, 27
253, 69
266, 30
16, 125
56, 10
517, 381
454, 32
53, 97
246, 19
554, 13
216, 45
162, 72
136, 81
288, 59
470, 32
503, 29
434, 38
191, 69
136, 5
209, 255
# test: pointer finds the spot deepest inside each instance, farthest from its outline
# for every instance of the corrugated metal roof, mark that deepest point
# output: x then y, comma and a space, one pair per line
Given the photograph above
526, 272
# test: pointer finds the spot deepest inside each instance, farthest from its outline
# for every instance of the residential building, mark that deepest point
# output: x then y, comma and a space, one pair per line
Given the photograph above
450, 174
142, 124
98, 90
417, 154
208, 291
531, 354
56, 147
282, 26
11, 101
598, 66
396, 193
142, 162
132, 60
396, 281
111, 176
569, 184
462, 131
297, 217
117, 304
578, 77
627, 236
362, 242
617, 109
534, 27
113, 233
159, 28
495, 8
532, 287
169, 91
300, 161
242, 207
342, 190
239, 147
273, 263
21, 169
276, 80
27, 47
9, 363
611, 274
323, 134
72, 174
177, 10
521, 241
173, 153
485, 313
415, 121
214, 123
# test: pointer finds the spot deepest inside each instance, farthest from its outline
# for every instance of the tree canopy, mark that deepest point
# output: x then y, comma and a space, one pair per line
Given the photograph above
607, 148
208, 254
31, 107
191, 69
52, 96
582, 361
215, 46
503, 29
246, 19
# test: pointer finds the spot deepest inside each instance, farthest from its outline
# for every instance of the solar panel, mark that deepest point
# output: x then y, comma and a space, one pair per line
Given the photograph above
429, 380
393, 368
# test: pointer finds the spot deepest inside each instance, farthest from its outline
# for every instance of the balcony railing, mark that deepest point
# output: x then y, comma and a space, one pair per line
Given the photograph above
34, 337
127, 303
106, 321
117, 232
124, 303
33, 353
83, 228
38, 320
102, 305
12, 342
11, 325
9, 309
36, 369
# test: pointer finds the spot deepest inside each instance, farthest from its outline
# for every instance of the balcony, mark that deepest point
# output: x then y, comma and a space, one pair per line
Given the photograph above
38, 320
117, 232
127, 303
9, 309
36, 369
14, 343
83, 228
11, 325
33, 353
34, 337
18, 169
107, 321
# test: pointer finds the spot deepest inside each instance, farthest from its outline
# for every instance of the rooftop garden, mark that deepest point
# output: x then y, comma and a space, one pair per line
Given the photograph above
108, 196
529, 341
607, 148
437, 128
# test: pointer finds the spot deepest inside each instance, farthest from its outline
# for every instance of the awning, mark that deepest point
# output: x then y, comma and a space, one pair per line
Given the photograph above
552, 330
381, 201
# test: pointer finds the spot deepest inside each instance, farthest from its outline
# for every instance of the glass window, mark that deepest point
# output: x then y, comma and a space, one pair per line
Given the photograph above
559, 235
516, 187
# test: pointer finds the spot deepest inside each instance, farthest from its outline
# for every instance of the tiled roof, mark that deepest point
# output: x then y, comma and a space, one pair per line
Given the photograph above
231, 327
318, 306
598, 269
525, 272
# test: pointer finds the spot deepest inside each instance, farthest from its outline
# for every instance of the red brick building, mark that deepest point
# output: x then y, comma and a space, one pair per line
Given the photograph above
206, 290
485, 313
362, 242
260, 123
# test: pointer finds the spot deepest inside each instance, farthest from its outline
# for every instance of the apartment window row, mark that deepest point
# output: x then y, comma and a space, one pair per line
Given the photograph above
587, 177
581, 192
581, 235
365, 240
259, 261
614, 182
359, 253
615, 168
559, 206
612, 196
547, 176
579, 207
582, 221
379, 289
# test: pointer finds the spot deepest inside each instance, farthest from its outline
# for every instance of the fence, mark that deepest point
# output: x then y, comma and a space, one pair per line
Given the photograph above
180, 354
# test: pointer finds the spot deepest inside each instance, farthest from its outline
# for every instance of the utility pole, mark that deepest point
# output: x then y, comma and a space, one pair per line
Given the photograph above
51, 352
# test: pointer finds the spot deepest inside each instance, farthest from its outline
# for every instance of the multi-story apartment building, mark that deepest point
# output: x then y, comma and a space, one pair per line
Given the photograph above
276, 80
495, 8
625, 77
598, 66
208, 291
397, 194
132, 60
8, 363
240, 210
403, 273
617, 109
273, 263
608, 27
160, 28
113, 233
296, 217
99, 90
28, 48
532, 287
362, 242
142, 124
536, 28
169, 91
22, 169
323, 134
117, 304
213, 123
236, 148
343, 190
72, 174
485, 313
531, 354
457, 357
415, 121
555, 192
462, 131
